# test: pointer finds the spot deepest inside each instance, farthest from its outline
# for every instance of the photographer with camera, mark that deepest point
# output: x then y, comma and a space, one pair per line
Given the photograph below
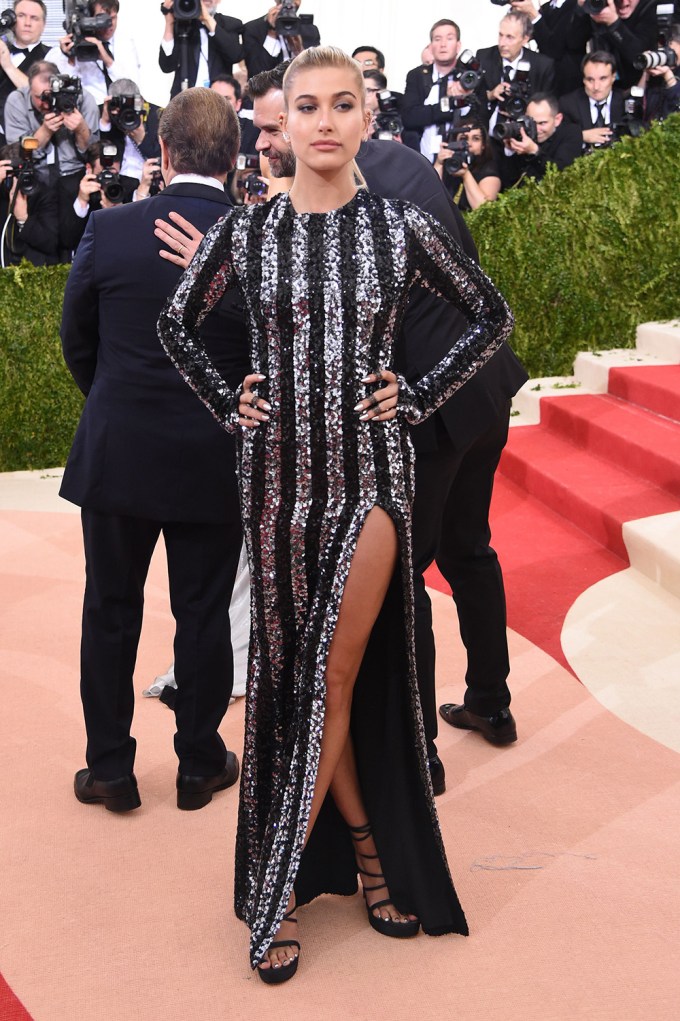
94, 50
620, 27
597, 106
25, 49
198, 44
129, 124
435, 94
661, 77
100, 187
552, 31
557, 141
230, 88
54, 109
28, 209
385, 107
282, 33
467, 167
500, 64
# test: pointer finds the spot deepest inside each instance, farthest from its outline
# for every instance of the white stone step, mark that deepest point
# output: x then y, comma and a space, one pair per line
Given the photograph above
661, 340
526, 404
653, 546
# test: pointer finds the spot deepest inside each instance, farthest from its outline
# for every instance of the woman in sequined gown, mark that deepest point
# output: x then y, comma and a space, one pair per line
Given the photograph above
335, 776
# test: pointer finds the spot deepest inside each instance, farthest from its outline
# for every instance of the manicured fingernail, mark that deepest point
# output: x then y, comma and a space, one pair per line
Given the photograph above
265, 405
265, 418
359, 407
259, 375
364, 418
368, 379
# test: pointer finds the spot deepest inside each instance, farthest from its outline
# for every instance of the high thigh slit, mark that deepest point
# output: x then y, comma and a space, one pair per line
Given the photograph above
325, 295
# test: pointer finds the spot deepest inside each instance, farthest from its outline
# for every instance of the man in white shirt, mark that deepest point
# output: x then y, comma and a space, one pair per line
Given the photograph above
208, 46
597, 105
117, 55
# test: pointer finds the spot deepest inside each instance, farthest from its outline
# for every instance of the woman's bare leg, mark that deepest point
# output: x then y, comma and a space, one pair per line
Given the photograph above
367, 582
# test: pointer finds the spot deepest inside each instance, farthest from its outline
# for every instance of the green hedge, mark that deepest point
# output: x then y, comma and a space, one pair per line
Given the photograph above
582, 258
590, 252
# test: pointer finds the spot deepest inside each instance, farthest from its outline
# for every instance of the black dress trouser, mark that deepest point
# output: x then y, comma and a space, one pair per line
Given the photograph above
202, 562
451, 526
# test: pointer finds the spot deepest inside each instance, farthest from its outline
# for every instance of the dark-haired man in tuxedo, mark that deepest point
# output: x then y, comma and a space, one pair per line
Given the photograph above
213, 46
265, 45
147, 459
16, 58
597, 105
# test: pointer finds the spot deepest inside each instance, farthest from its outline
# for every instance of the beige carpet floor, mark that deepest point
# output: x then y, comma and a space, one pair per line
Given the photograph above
564, 849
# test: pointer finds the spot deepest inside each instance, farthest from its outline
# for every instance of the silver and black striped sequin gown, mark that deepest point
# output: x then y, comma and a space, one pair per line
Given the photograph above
325, 294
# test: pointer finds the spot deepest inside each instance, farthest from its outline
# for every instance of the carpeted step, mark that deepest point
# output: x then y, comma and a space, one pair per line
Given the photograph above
591, 492
654, 387
632, 438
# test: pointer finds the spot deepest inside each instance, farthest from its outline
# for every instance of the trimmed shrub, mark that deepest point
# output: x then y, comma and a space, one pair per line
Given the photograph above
589, 253
582, 259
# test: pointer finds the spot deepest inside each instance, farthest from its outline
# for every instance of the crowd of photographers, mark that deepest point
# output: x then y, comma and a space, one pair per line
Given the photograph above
564, 78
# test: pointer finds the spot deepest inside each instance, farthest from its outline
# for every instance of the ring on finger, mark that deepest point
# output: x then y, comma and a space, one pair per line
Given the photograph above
254, 403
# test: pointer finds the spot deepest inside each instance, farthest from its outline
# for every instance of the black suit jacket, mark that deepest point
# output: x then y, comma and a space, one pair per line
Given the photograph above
576, 108
224, 50
145, 446
624, 39
562, 148
7, 85
431, 325
417, 115
256, 57
555, 39
542, 69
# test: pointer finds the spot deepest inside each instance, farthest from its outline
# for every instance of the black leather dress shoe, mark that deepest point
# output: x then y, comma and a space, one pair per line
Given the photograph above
438, 775
196, 791
120, 795
499, 729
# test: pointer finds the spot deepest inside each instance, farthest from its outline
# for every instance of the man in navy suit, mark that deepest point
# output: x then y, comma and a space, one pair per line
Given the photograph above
147, 459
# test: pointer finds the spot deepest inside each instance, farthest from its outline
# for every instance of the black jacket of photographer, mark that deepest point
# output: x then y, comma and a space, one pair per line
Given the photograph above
625, 39
577, 110
418, 115
224, 50
38, 239
562, 148
555, 39
257, 57
7, 86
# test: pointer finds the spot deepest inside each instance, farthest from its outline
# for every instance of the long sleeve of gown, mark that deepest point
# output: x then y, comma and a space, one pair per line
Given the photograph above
198, 290
437, 262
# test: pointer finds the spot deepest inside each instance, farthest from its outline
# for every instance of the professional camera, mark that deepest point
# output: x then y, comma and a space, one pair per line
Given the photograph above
184, 10
500, 3
468, 71
507, 129
79, 23
63, 93
156, 185
388, 122
595, 6
254, 185
288, 22
514, 102
247, 161
460, 156
109, 179
23, 169
126, 111
632, 122
8, 19
665, 57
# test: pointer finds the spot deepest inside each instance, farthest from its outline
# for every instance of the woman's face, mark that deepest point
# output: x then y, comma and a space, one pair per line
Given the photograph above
326, 118
475, 141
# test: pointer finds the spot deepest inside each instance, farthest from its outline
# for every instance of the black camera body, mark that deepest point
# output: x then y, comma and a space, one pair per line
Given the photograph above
127, 111
254, 185
184, 10
632, 122
664, 57
23, 169
515, 101
595, 6
288, 22
8, 20
468, 71
247, 161
388, 122
156, 185
63, 94
512, 129
501, 3
108, 178
79, 23
460, 156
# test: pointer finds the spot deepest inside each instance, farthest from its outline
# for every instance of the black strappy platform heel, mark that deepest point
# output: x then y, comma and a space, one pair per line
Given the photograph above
385, 926
272, 975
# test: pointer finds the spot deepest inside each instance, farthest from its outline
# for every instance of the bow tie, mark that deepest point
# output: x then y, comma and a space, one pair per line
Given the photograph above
17, 49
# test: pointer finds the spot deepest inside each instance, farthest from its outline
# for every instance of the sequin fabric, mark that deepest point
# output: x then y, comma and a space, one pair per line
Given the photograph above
325, 295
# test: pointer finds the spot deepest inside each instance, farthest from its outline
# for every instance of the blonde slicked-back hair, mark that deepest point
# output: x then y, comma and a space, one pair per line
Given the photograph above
318, 58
